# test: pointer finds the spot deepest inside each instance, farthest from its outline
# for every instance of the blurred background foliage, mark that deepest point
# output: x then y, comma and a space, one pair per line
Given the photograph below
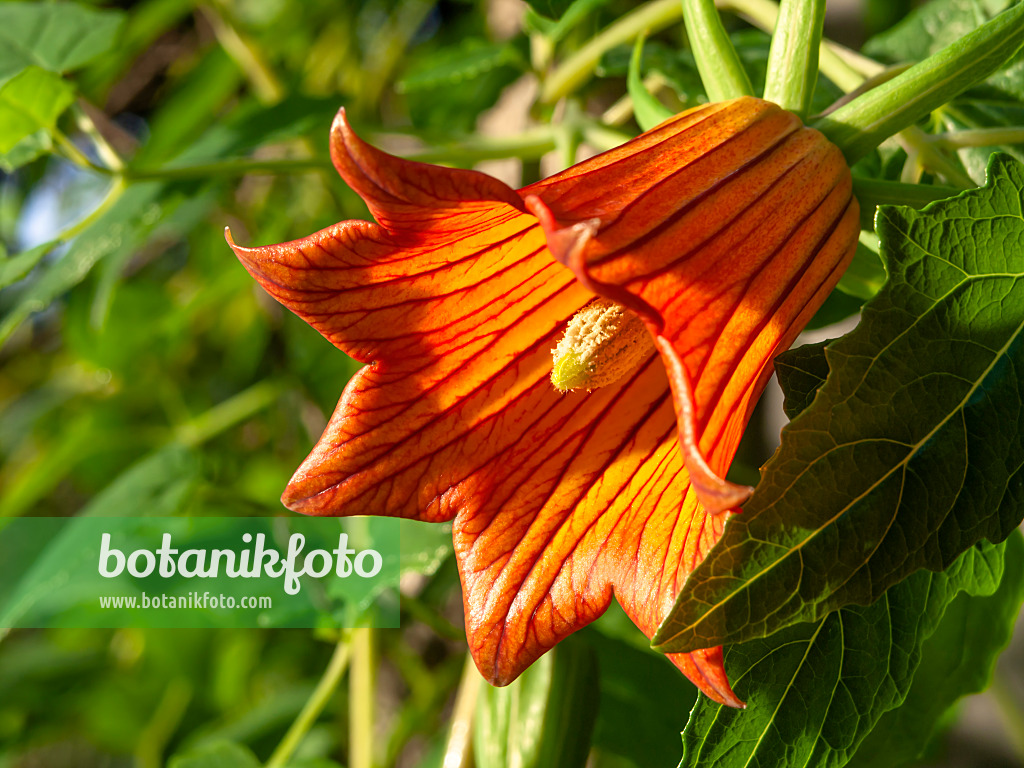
142, 372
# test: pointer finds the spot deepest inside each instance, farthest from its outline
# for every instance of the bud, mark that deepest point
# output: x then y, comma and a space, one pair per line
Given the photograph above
602, 342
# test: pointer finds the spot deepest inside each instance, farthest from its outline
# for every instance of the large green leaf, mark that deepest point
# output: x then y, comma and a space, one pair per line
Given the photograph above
814, 691
912, 450
955, 661
932, 27
995, 103
31, 101
58, 37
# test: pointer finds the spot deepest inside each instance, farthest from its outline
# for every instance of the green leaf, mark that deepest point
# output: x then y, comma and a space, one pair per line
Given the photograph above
120, 229
58, 37
223, 754
957, 660
932, 27
30, 101
25, 151
814, 691
801, 372
910, 453
648, 111
14, 268
161, 484
865, 275
569, 20
453, 65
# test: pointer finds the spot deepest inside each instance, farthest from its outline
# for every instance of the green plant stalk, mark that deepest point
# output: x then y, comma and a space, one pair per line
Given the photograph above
874, 192
314, 706
575, 70
361, 700
717, 61
458, 749
833, 60
979, 137
157, 733
793, 58
866, 121
228, 413
931, 156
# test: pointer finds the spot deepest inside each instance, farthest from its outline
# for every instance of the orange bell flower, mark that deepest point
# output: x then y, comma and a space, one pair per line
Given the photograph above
723, 230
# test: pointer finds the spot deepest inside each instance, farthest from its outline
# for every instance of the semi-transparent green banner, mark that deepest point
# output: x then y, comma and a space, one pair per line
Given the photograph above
199, 572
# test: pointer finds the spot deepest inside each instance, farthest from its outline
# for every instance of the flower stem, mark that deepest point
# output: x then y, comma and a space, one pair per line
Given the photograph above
228, 413
361, 704
314, 706
458, 747
834, 61
875, 192
575, 70
980, 137
717, 61
864, 123
793, 58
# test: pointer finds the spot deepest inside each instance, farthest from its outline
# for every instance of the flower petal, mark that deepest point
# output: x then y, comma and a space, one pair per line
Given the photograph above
742, 225
561, 501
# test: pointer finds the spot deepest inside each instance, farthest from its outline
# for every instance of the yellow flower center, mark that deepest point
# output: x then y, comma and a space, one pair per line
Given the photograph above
602, 342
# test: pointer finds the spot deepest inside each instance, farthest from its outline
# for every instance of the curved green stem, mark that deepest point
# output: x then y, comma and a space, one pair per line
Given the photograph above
717, 61
865, 122
575, 70
793, 58
314, 706
931, 156
113, 195
74, 154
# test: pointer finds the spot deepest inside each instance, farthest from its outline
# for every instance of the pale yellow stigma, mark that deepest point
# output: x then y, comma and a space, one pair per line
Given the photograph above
602, 342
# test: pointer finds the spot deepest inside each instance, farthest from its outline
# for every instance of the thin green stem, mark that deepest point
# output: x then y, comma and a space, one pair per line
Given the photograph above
875, 192
793, 58
157, 733
459, 744
865, 122
979, 137
603, 138
74, 154
932, 158
530, 144
87, 125
717, 61
228, 413
113, 195
228, 168
361, 700
314, 705
265, 83
575, 70
840, 65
